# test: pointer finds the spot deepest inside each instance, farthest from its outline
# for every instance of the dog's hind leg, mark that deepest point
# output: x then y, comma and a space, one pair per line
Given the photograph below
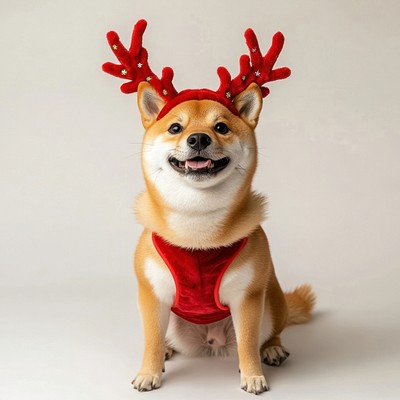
273, 353
169, 351
275, 320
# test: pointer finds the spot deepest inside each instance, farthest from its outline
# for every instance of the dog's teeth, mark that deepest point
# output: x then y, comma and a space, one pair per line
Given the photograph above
211, 165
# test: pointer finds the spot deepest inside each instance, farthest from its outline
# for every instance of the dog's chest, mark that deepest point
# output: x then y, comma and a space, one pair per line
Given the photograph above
228, 287
196, 230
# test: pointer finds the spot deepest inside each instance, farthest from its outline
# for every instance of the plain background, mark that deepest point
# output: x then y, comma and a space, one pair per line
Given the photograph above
70, 169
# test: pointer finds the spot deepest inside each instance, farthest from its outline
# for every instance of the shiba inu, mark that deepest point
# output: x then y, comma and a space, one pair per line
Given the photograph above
206, 281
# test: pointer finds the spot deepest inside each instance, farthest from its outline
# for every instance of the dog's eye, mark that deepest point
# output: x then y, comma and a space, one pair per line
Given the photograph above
221, 128
175, 128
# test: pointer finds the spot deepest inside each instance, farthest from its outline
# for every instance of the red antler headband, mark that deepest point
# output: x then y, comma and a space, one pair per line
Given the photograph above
135, 67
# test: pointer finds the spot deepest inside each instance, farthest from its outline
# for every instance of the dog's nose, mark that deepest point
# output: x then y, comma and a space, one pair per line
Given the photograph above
198, 141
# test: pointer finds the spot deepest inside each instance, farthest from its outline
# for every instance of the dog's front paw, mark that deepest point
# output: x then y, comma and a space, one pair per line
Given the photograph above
254, 384
146, 382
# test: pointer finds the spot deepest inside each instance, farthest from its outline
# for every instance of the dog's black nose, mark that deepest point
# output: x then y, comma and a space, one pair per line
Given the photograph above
198, 141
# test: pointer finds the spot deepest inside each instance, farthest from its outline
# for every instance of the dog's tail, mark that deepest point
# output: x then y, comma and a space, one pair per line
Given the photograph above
300, 303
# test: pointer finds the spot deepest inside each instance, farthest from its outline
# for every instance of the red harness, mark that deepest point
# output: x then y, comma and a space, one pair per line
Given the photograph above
197, 275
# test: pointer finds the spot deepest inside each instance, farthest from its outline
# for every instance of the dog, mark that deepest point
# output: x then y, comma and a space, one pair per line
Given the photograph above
206, 281
198, 164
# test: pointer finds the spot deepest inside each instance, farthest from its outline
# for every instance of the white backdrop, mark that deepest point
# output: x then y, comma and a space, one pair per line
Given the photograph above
70, 169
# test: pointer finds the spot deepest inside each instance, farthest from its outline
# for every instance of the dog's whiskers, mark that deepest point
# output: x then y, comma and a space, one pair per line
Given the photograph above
141, 144
156, 171
255, 149
136, 154
157, 174
241, 169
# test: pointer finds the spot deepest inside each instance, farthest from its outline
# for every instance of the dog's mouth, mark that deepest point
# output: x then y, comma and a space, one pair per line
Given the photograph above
199, 165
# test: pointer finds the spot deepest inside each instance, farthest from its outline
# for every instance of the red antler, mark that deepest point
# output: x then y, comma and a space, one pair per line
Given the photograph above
134, 65
255, 68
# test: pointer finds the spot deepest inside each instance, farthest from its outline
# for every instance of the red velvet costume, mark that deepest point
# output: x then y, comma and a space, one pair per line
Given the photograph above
197, 275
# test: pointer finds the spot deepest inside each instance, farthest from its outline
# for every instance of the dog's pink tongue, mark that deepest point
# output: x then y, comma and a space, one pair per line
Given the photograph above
194, 164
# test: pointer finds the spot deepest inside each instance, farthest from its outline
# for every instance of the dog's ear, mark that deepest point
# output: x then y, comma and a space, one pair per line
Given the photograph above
149, 103
249, 104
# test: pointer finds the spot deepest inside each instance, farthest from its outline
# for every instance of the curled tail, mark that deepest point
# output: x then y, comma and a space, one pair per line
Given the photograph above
300, 303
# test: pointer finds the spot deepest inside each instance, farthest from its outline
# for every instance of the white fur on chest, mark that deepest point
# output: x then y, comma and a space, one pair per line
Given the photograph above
161, 281
234, 285
197, 229
197, 214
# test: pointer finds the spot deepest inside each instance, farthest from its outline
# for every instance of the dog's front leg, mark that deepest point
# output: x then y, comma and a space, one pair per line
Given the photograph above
246, 319
155, 316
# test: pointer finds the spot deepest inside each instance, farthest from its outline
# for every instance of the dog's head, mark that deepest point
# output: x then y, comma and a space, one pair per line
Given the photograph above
198, 139
199, 142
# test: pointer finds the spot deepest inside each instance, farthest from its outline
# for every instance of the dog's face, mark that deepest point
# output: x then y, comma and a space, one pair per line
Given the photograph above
199, 143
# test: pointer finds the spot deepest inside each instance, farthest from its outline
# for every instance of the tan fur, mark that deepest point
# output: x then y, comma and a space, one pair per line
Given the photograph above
201, 222
300, 302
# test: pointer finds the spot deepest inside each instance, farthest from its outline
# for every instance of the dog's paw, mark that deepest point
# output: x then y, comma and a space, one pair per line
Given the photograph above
146, 382
274, 355
254, 384
169, 352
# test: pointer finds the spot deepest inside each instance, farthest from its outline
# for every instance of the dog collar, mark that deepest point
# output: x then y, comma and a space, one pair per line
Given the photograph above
197, 275
254, 68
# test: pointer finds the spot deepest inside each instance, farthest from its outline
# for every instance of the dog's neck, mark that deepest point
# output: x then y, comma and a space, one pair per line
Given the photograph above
201, 218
